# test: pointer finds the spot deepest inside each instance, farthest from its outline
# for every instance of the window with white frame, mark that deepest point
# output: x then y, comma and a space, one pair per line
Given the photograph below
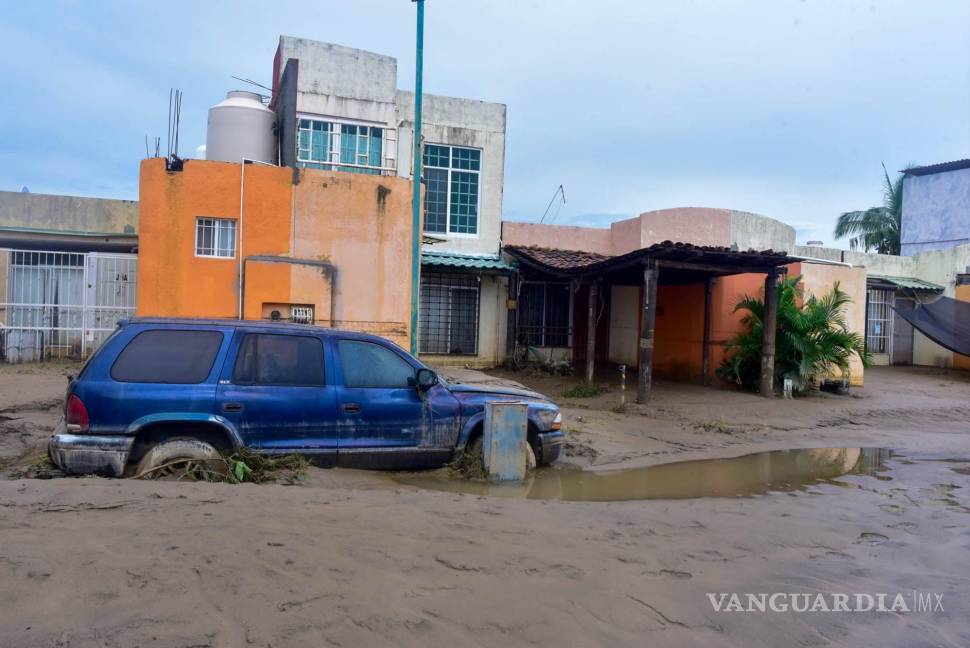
215, 237
879, 321
452, 189
339, 147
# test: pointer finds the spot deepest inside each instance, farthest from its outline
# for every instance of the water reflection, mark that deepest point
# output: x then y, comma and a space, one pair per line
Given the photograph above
782, 470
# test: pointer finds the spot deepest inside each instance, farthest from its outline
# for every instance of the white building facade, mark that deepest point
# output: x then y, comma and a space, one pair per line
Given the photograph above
339, 108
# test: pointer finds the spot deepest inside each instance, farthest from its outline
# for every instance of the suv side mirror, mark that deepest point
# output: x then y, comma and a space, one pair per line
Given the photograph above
426, 379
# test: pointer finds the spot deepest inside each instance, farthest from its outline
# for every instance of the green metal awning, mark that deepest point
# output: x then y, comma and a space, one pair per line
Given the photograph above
910, 283
478, 262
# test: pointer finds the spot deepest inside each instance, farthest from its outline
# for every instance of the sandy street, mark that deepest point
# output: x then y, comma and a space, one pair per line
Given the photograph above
355, 558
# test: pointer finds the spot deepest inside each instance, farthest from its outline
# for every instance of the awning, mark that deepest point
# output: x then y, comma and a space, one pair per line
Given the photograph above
946, 321
453, 260
909, 283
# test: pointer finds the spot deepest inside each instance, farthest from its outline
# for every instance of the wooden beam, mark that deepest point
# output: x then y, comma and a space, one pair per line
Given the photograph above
706, 350
591, 332
649, 320
769, 329
712, 267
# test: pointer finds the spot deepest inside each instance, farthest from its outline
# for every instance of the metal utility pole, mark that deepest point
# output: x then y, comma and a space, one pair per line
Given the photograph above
416, 171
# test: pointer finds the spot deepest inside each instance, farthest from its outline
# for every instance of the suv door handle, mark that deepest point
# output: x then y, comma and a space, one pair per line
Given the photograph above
232, 407
351, 408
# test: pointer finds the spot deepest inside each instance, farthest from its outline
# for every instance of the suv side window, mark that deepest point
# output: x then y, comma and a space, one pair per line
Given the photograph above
366, 364
280, 360
168, 356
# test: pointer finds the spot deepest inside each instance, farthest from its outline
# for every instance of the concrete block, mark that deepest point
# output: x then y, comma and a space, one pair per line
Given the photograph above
505, 443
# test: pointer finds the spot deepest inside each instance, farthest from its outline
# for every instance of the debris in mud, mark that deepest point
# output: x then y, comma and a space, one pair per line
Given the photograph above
467, 463
573, 448
243, 465
721, 427
39, 467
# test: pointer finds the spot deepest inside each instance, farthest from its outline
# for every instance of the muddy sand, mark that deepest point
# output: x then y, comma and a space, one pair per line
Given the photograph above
356, 558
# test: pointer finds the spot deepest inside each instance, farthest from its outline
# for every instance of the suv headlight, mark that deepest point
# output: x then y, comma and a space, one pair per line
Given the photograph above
551, 419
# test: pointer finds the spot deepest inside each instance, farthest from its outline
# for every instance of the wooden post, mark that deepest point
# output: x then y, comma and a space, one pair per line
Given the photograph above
591, 332
706, 350
649, 318
769, 329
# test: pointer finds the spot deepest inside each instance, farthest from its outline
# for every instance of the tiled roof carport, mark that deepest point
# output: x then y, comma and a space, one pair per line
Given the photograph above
666, 262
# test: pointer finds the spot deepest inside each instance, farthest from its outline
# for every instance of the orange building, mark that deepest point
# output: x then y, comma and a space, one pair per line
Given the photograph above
254, 241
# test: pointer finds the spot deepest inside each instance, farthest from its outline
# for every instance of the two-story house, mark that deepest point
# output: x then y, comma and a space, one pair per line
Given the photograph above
339, 108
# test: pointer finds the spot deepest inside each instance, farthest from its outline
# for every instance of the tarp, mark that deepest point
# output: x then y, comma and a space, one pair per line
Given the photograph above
946, 321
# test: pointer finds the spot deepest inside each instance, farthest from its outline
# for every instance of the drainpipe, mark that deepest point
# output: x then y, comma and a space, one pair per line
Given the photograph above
416, 172
239, 253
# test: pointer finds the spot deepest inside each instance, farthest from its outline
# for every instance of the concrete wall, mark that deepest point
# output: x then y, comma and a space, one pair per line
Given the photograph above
361, 224
469, 123
936, 211
624, 324
68, 213
695, 225
358, 224
338, 81
561, 237
819, 279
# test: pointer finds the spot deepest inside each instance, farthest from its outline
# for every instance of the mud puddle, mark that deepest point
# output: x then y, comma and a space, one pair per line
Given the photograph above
753, 474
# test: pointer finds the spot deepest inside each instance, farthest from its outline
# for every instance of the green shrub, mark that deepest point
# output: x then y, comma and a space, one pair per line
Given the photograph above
811, 339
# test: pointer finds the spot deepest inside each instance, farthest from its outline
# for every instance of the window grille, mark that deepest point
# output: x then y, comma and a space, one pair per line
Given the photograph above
449, 314
544, 314
879, 321
215, 237
452, 189
61, 304
302, 314
343, 147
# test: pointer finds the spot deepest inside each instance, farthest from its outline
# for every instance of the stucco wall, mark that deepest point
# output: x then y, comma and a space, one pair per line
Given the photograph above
818, 279
696, 225
470, 123
338, 81
362, 225
963, 294
936, 211
625, 324
68, 213
561, 237
172, 281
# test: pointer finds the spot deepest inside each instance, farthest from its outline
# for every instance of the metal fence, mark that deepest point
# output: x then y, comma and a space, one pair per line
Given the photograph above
61, 304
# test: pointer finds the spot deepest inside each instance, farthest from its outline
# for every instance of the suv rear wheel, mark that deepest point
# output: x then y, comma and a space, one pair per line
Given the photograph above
181, 458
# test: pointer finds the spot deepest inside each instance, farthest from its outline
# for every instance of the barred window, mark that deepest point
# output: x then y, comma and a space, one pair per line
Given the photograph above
452, 188
449, 314
215, 237
544, 313
879, 321
339, 147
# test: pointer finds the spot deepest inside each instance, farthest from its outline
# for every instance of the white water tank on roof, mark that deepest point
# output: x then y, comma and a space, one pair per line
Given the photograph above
240, 127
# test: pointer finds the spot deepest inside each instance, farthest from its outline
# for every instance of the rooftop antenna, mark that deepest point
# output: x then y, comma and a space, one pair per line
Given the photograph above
559, 192
251, 82
173, 162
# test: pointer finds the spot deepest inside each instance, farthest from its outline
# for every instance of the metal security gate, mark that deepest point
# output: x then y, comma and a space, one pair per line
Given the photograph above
61, 304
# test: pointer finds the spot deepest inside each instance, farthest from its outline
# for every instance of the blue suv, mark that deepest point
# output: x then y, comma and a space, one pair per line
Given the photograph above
160, 390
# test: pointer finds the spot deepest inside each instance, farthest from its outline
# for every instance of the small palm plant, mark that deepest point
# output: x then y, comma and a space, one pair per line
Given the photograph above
812, 339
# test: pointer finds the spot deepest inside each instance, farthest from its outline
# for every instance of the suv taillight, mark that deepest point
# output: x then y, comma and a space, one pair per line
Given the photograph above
76, 415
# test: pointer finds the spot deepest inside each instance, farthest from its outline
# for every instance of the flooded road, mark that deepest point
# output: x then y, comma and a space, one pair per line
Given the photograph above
753, 474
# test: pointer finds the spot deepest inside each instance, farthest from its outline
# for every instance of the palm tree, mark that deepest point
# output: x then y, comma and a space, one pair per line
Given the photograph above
876, 228
812, 338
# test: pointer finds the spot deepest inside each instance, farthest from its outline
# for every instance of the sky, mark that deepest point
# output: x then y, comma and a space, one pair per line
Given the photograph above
785, 108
